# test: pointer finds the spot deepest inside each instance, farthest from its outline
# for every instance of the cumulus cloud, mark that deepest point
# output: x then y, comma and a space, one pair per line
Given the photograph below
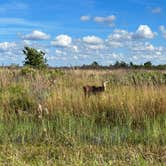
163, 30
96, 47
108, 20
85, 18
149, 47
92, 40
118, 38
144, 32
119, 45
10, 53
62, 41
143, 47
36, 35
75, 48
120, 35
4, 46
156, 10
114, 44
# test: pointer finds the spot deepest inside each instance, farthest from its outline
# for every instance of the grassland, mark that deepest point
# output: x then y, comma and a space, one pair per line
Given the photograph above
46, 120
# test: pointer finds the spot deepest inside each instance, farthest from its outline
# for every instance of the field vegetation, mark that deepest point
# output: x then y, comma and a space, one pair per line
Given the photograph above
45, 119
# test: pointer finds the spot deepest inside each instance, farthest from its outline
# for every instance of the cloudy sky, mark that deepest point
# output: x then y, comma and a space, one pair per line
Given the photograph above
76, 32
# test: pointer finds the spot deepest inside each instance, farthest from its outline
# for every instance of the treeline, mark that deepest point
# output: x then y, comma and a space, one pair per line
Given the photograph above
116, 65
123, 65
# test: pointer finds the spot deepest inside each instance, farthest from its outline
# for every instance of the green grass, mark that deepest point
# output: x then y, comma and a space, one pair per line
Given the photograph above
126, 125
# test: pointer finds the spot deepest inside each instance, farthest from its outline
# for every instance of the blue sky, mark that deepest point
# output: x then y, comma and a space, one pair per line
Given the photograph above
74, 32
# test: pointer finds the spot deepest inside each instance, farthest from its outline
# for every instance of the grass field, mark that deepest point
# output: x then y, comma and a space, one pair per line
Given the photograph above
46, 120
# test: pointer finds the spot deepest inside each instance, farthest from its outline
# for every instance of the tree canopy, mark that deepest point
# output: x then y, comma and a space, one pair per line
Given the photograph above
34, 58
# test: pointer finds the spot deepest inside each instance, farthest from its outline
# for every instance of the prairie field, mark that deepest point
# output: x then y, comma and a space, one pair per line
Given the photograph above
45, 119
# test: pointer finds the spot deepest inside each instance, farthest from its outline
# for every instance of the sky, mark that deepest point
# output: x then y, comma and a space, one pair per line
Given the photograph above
77, 32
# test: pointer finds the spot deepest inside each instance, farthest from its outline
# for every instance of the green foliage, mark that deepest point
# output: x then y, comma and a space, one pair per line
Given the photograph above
148, 64
52, 74
139, 78
34, 58
94, 64
20, 99
26, 71
120, 64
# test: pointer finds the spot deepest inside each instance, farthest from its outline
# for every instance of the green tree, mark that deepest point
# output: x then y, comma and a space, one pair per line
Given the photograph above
148, 64
95, 64
34, 58
120, 64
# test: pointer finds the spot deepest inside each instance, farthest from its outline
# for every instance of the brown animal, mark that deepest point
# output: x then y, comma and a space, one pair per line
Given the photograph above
88, 90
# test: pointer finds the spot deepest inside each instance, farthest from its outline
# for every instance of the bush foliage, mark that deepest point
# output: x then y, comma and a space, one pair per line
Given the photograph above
34, 58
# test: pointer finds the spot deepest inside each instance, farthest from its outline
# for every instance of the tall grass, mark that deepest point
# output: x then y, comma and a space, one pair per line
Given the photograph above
45, 118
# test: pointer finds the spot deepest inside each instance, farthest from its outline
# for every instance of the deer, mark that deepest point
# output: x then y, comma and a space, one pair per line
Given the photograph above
88, 90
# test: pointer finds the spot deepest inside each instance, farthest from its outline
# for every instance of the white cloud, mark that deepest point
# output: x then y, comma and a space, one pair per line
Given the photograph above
75, 48
4, 46
119, 38
156, 10
85, 18
58, 52
120, 35
92, 40
144, 32
163, 30
119, 45
149, 47
96, 47
109, 19
115, 44
62, 41
143, 47
36, 35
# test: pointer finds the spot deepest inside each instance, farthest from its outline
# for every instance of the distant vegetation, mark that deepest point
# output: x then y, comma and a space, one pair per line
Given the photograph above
123, 65
95, 65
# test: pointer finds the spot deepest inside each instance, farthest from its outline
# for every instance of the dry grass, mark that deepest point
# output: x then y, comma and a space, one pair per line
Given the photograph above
45, 118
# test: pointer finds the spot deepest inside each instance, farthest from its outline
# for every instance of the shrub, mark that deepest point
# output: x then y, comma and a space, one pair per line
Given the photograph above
34, 58
20, 99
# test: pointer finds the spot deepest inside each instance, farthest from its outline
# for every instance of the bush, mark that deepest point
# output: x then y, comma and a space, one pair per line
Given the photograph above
20, 99
34, 58
28, 71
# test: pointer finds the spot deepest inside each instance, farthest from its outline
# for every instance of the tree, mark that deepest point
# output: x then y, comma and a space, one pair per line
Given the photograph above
148, 64
131, 64
120, 64
34, 58
94, 65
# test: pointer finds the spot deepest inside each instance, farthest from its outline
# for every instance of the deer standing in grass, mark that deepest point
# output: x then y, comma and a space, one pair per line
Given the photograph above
88, 90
